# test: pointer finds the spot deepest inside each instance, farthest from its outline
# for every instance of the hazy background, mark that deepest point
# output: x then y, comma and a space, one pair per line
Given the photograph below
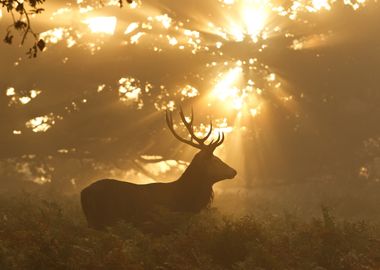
294, 86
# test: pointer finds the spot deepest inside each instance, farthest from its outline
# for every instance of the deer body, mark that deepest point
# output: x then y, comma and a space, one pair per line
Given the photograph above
107, 201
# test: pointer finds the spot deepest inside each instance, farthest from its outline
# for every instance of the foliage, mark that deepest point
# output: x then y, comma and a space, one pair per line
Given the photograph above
92, 130
21, 12
40, 233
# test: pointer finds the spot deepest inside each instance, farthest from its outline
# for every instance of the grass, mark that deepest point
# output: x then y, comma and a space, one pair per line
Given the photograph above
40, 233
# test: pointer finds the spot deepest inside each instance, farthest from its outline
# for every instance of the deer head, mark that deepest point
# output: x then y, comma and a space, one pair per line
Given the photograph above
205, 166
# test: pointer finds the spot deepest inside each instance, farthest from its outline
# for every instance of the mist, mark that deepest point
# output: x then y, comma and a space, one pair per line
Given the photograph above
292, 85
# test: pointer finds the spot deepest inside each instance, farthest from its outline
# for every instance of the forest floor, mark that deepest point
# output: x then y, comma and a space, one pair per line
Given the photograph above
50, 232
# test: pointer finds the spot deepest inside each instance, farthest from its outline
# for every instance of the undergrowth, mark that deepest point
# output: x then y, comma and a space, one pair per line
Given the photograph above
40, 233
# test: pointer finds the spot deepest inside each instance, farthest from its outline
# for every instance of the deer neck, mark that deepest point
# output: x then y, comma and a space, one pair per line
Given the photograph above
193, 176
195, 190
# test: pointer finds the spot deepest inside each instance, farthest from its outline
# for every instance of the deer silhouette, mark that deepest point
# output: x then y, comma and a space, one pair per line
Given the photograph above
107, 201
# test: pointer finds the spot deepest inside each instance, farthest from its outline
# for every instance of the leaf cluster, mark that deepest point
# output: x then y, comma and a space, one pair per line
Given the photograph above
20, 12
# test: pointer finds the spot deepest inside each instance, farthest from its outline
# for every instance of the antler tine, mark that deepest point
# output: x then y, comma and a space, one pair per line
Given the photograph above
192, 116
208, 133
214, 144
199, 142
222, 139
181, 113
190, 127
188, 124
169, 121
217, 140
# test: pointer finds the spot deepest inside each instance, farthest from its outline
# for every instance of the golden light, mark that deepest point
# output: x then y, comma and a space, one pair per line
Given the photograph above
10, 91
321, 4
131, 27
165, 20
237, 103
172, 40
219, 125
312, 41
25, 100
228, 92
189, 91
271, 77
225, 88
40, 123
247, 21
16, 98
255, 20
53, 35
105, 25
255, 111
135, 38
250, 21
238, 95
237, 32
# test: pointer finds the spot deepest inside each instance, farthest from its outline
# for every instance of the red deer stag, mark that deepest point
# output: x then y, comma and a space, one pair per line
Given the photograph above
107, 201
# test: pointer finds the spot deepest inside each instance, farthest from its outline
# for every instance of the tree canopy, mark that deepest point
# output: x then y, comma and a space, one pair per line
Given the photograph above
295, 93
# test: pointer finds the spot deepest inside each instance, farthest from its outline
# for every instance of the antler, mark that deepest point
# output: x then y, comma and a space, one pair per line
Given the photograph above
199, 142
214, 144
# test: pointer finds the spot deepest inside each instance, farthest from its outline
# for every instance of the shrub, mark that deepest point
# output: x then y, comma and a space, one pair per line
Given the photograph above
40, 233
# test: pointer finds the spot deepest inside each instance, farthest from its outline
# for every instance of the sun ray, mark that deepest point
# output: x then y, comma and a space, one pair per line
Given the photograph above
105, 25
